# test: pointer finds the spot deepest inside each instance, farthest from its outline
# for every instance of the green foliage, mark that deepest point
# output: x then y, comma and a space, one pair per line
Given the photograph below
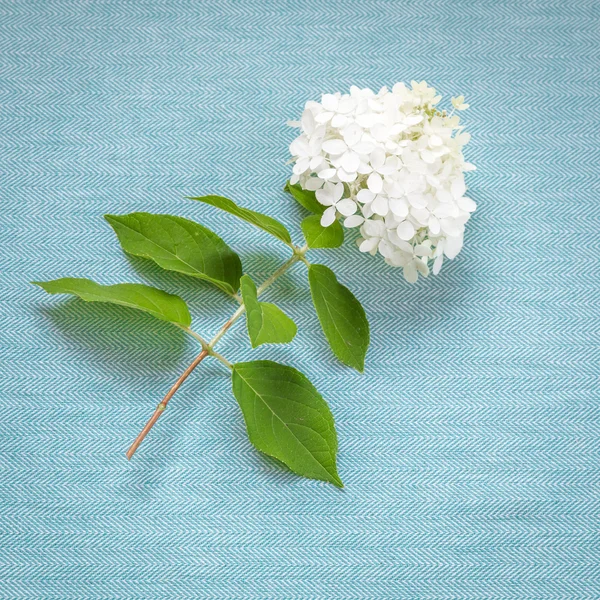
159, 304
285, 415
287, 418
264, 222
317, 236
267, 323
305, 198
341, 315
178, 244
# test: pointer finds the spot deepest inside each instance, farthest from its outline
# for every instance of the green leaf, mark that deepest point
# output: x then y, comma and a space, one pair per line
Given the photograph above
318, 236
159, 304
341, 315
267, 324
264, 222
305, 198
181, 245
287, 418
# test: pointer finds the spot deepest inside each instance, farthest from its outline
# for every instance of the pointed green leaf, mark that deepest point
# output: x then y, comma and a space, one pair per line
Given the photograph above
159, 304
317, 236
287, 418
305, 198
341, 316
181, 245
267, 323
264, 222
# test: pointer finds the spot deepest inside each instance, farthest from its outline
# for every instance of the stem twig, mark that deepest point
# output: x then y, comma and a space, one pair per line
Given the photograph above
208, 348
161, 407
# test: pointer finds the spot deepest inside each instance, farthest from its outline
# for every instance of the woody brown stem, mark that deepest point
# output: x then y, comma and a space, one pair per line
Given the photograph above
161, 407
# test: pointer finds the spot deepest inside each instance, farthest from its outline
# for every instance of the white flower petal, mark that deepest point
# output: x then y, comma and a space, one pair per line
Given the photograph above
380, 205
335, 146
458, 188
467, 204
327, 173
410, 272
313, 183
453, 246
365, 196
350, 161
343, 175
328, 216
399, 207
375, 183
405, 230
353, 221
330, 102
338, 121
346, 207
369, 245
433, 225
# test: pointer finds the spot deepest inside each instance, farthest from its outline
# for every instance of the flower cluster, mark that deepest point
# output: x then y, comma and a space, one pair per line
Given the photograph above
390, 163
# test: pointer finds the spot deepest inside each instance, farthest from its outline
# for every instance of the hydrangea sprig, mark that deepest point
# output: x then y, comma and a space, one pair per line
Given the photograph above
285, 415
390, 163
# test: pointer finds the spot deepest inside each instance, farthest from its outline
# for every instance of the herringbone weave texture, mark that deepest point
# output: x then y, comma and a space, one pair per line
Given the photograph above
469, 448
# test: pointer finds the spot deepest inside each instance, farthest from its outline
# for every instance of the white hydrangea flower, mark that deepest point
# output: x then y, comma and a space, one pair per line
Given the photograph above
390, 163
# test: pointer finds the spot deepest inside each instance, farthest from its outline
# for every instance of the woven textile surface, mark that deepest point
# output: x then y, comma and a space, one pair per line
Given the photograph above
469, 448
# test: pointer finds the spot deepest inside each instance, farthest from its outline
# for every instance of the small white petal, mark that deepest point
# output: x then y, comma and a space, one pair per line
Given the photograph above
350, 161
337, 192
353, 221
369, 245
328, 217
352, 135
410, 272
437, 265
467, 204
365, 196
346, 206
422, 267
323, 117
343, 175
338, 121
405, 230
363, 147
422, 250
458, 188
399, 207
330, 101
453, 246
380, 205
313, 183
327, 173
380, 132
324, 196
450, 227
413, 119
335, 146
346, 104
315, 163
375, 183
434, 225
418, 200
385, 249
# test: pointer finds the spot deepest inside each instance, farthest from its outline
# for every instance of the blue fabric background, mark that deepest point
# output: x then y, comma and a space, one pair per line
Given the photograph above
469, 448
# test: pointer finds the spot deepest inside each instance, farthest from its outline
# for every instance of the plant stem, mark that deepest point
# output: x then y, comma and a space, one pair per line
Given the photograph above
161, 407
207, 348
